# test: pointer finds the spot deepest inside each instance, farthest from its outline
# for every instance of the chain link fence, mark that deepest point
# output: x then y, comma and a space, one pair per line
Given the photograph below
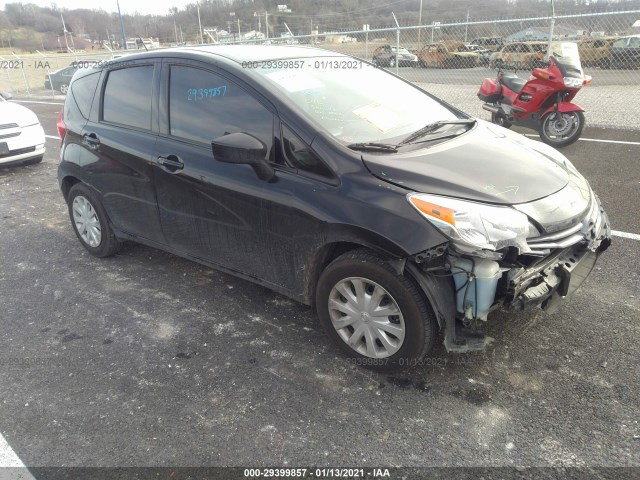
449, 60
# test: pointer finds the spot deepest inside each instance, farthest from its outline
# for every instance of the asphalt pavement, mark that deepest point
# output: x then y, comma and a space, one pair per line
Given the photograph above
146, 359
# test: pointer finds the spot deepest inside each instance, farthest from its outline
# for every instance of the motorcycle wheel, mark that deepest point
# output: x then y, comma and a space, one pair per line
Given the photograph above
501, 120
560, 129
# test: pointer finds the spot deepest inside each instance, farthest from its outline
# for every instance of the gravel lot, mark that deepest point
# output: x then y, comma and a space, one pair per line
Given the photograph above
146, 359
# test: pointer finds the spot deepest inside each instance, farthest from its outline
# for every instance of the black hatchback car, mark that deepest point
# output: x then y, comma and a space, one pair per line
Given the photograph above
331, 181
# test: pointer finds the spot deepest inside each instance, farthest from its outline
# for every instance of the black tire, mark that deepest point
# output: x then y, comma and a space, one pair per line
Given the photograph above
109, 243
415, 312
501, 120
63, 88
564, 141
392, 62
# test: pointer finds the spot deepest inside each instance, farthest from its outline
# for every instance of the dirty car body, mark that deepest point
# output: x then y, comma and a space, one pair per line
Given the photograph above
392, 215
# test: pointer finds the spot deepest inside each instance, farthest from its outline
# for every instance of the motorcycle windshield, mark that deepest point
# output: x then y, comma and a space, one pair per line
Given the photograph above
566, 56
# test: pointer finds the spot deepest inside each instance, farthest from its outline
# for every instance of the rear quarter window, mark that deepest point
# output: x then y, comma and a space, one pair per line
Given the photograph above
82, 91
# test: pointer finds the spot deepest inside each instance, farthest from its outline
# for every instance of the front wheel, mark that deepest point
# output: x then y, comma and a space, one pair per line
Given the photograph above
378, 317
392, 62
560, 129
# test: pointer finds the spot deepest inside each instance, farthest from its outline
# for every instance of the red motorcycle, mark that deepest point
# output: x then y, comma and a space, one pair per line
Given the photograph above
544, 101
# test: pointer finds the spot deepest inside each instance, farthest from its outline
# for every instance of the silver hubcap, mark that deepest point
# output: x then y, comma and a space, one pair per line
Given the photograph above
87, 222
366, 317
562, 125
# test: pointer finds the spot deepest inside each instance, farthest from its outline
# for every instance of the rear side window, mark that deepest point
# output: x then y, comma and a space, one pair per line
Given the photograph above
82, 91
127, 97
204, 106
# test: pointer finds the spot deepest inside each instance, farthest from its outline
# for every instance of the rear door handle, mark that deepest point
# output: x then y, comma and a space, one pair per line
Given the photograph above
171, 163
91, 140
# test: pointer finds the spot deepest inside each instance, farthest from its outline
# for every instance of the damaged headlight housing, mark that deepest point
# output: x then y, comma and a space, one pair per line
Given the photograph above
475, 227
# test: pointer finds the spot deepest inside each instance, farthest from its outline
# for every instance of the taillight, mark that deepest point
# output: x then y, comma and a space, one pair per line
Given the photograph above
62, 130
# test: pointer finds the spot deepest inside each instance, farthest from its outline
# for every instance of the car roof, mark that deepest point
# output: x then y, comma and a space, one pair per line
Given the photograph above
236, 53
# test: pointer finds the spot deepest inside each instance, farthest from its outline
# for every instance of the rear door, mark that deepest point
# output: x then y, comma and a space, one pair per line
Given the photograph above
122, 136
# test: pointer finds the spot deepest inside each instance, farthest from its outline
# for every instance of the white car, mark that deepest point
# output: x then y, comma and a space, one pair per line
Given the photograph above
21, 135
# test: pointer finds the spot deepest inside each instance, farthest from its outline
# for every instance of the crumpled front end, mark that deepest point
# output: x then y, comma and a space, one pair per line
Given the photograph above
571, 255
538, 273
551, 266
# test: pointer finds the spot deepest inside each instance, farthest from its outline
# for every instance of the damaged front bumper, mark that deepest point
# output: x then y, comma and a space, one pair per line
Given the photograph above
555, 277
556, 265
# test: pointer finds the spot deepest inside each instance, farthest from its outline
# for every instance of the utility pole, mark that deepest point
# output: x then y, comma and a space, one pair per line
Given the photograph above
64, 32
239, 35
553, 23
124, 36
175, 30
419, 22
266, 21
466, 27
200, 24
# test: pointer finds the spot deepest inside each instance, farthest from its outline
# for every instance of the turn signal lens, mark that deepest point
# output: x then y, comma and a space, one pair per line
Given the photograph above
541, 73
441, 213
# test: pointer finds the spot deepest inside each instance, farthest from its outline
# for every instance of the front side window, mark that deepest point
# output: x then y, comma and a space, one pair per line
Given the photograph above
127, 97
204, 106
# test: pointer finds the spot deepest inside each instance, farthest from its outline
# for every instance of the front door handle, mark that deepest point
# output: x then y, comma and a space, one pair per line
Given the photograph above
171, 163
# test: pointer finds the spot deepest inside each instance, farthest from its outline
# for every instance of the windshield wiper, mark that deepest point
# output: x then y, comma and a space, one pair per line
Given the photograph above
435, 126
373, 147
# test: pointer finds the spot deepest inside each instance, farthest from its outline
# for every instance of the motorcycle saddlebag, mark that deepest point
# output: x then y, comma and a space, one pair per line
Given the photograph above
489, 91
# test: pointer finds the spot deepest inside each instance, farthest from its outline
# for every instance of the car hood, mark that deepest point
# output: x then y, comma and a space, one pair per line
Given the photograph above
13, 113
487, 164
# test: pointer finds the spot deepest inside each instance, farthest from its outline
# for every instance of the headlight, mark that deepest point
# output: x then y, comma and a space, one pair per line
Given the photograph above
573, 82
475, 227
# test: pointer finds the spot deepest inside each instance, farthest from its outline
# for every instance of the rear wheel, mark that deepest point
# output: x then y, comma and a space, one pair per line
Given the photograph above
64, 88
560, 129
375, 315
500, 119
90, 222
392, 62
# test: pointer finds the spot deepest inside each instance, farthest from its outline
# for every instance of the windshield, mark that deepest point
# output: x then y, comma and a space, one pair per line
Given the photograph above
353, 100
567, 57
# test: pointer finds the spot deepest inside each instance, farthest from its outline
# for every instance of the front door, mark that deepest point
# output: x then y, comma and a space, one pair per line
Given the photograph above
209, 209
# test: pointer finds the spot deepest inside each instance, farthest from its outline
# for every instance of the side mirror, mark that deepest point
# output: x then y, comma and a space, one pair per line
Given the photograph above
6, 95
243, 148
